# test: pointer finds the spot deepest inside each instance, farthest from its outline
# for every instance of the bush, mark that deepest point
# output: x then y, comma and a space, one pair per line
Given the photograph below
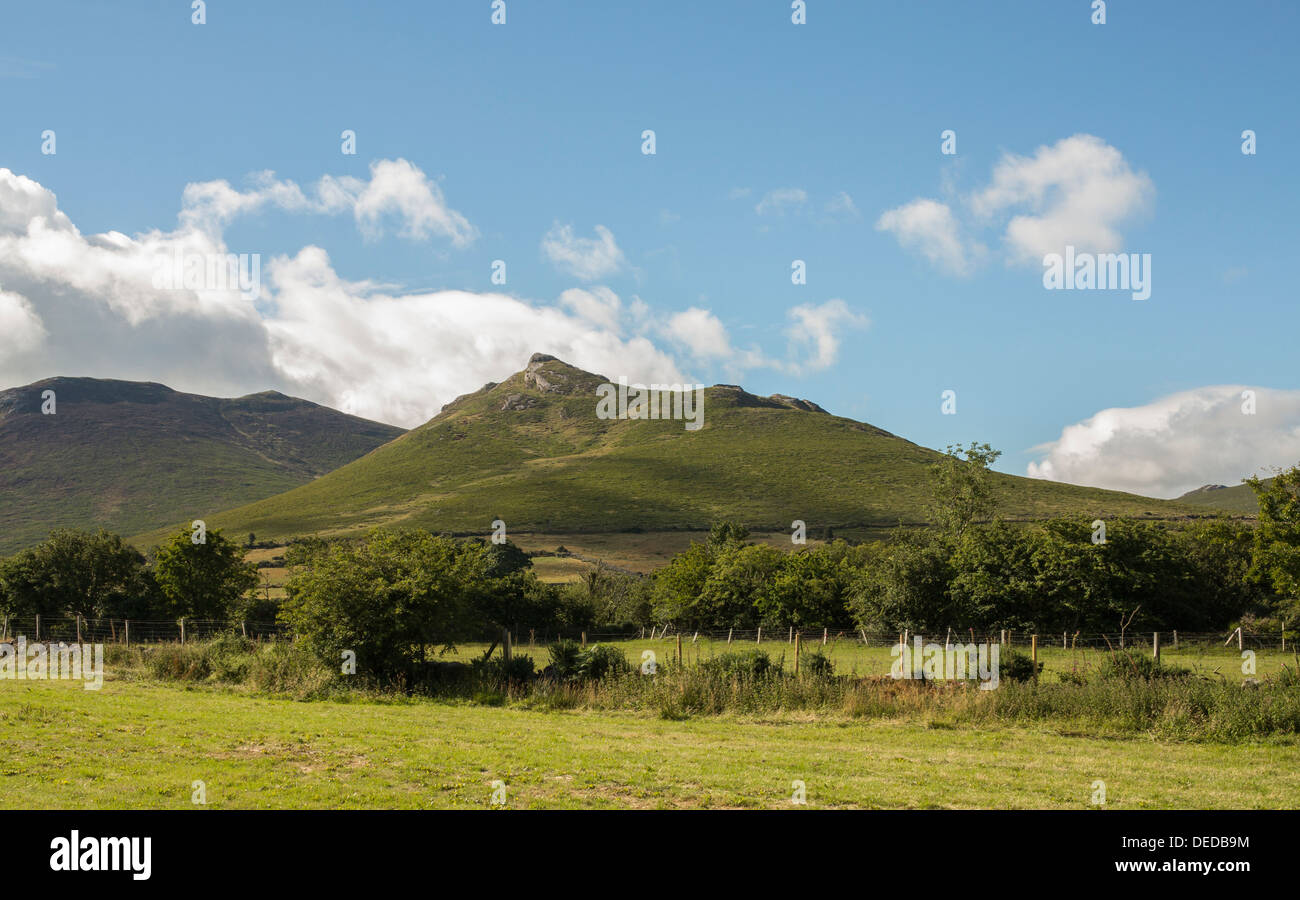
1130, 665
817, 664
516, 670
601, 661
1015, 665
753, 663
565, 658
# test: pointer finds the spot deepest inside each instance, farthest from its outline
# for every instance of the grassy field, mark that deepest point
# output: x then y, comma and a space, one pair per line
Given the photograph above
142, 745
852, 658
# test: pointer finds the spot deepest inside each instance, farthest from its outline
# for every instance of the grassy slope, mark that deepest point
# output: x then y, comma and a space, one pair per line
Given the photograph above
1238, 498
556, 468
129, 456
153, 741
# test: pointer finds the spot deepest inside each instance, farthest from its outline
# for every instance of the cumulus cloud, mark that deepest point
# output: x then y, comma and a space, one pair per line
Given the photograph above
75, 304
1177, 443
1078, 192
817, 330
396, 191
584, 258
929, 227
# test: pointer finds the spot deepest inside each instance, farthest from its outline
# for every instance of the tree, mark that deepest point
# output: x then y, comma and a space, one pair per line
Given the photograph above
1277, 538
386, 597
961, 489
906, 585
77, 573
202, 581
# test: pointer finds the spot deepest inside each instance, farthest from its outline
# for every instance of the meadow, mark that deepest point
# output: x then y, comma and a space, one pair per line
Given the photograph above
142, 744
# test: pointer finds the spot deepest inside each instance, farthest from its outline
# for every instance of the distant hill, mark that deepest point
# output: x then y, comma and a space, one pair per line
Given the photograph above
132, 456
532, 451
1238, 498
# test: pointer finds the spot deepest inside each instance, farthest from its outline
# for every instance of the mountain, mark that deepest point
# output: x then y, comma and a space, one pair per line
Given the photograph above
131, 456
532, 451
1236, 499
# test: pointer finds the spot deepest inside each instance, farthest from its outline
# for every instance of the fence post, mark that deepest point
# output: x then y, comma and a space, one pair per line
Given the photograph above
182, 631
796, 654
1175, 638
790, 639
1063, 635
728, 637
826, 632
507, 650
679, 648
1033, 644
584, 640
78, 628
532, 634
126, 631
1155, 645
38, 626
759, 639
243, 627
1238, 637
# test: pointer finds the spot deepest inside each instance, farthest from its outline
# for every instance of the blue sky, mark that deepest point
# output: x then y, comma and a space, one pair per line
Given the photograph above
537, 123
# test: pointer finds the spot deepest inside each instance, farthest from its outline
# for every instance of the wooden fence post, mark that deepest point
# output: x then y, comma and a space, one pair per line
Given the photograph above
1155, 645
728, 637
790, 639
182, 631
759, 639
38, 626
1033, 644
796, 654
78, 628
532, 634
826, 632
679, 648
506, 648
1175, 638
243, 627
584, 640
126, 631
1238, 637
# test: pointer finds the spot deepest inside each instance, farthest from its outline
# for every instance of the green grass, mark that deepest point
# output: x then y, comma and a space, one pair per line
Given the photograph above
142, 745
555, 468
1237, 498
852, 658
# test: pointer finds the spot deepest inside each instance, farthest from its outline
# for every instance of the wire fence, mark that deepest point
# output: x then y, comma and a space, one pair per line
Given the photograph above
83, 629
127, 631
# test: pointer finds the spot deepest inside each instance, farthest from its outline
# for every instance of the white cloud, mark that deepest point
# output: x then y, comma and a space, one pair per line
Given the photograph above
777, 202
841, 208
929, 227
599, 306
1177, 443
397, 189
1075, 192
21, 330
585, 258
819, 329
75, 304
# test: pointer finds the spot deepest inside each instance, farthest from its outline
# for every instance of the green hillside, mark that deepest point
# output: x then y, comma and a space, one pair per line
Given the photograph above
531, 451
1236, 499
132, 456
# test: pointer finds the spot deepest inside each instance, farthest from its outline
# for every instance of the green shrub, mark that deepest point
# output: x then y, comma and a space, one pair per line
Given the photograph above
1128, 665
816, 664
601, 661
1015, 665
753, 663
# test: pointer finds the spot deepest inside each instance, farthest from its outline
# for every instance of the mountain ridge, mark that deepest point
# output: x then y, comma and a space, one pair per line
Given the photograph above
530, 450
